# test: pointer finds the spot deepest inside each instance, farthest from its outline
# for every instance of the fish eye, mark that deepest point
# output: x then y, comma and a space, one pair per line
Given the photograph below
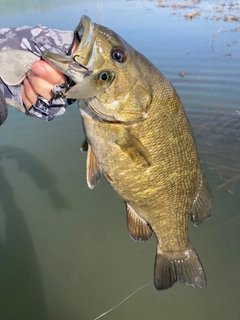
118, 55
104, 76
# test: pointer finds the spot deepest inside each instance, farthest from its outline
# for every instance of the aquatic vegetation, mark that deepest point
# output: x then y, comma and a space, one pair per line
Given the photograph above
192, 14
228, 12
230, 17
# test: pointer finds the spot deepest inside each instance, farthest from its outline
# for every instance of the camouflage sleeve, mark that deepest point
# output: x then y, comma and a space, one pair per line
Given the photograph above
36, 40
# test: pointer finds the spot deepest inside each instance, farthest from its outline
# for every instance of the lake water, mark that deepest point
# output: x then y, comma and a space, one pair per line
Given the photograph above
65, 253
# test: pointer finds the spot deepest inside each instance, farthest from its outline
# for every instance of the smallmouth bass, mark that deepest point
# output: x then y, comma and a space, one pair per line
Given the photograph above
139, 138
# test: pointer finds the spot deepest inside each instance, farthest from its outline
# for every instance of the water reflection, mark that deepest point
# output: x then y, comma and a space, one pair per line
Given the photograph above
20, 275
220, 152
42, 176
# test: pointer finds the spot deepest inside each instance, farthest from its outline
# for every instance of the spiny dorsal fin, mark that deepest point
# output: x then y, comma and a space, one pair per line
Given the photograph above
134, 148
202, 206
93, 170
137, 227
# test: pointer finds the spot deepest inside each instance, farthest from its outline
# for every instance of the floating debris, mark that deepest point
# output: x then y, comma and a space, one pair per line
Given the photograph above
230, 17
223, 11
218, 10
178, 5
192, 14
162, 4
182, 74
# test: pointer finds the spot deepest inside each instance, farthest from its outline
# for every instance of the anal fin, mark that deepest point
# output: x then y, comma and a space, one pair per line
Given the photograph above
93, 170
138, 228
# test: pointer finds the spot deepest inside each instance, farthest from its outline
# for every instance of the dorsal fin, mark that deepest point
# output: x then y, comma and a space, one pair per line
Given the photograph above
138, 228
93, 170
202, 205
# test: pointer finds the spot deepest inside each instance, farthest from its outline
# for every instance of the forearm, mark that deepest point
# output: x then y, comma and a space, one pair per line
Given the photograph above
35, 40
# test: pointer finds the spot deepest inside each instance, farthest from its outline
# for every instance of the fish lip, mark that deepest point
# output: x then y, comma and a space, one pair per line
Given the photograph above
87, 32
66, 65
84, 30
92, 114
102, 116
59, 61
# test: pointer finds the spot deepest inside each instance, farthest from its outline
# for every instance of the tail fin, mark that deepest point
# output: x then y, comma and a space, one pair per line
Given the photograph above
183, 266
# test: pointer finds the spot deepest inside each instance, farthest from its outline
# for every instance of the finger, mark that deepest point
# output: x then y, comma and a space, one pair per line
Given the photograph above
45, 71
29, 95
25, 100
40, 86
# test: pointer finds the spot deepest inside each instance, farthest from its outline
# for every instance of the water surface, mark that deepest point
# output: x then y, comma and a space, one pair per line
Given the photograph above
65, 251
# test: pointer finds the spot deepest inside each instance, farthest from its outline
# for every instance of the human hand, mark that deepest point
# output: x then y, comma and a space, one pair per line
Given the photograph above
40, 81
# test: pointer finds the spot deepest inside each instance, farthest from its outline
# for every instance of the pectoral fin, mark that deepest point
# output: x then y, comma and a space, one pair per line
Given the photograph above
93, 170
134, 148
137, 227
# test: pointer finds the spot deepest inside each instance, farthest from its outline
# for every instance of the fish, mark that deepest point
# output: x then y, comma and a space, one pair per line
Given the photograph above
139, 138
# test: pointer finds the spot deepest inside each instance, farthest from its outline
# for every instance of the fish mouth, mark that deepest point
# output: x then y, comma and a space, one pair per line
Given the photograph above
66, 65
76, 66
87, 32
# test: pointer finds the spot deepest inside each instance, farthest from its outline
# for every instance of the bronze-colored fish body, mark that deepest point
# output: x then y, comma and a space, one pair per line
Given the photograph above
140, 139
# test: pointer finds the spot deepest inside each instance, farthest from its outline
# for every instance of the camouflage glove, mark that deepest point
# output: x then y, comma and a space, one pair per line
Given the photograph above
19, 48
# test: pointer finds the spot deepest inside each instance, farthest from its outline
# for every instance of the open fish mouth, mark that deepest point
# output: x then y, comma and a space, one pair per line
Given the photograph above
66, 65
84, 66
77, 66
87, 32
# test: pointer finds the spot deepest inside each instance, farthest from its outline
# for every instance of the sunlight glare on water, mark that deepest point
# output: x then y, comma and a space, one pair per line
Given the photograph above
65, 250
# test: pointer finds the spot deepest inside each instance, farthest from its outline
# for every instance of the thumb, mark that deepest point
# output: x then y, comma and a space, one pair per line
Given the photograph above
44, 70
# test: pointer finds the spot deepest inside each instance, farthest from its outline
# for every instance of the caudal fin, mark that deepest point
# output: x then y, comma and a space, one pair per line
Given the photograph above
183, 266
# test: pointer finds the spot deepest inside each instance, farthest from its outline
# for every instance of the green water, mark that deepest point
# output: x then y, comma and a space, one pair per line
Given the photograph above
65, 253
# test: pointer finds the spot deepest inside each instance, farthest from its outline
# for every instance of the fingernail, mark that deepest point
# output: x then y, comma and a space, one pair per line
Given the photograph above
30, 75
